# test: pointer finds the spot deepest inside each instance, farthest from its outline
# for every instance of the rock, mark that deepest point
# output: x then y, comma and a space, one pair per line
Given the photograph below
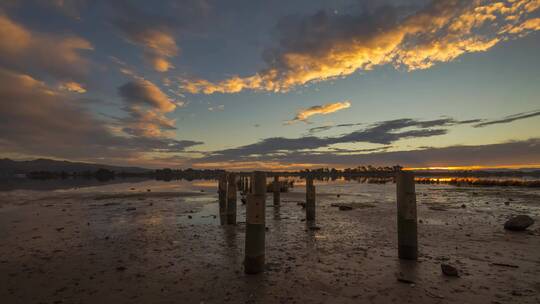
518, 223
338, 195
507, 203
463, 206
190, 217
131, 209
148, 190
121, 268
448, 270
345, 208
243, 200
314, 228
438, 208
301, 204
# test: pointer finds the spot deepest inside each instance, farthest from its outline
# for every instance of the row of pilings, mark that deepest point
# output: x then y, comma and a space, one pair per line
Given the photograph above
253, 187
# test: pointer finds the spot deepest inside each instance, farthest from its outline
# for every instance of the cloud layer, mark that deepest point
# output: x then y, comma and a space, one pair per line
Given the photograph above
60, 56
324, 46
38, 120
319, 150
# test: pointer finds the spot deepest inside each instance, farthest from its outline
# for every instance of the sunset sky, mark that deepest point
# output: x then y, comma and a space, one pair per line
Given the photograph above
271, 84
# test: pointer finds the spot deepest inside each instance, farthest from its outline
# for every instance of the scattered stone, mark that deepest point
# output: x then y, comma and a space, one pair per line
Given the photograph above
507, 203
463, 206
345, 208
148, 190
403, 280
59, 229
243, 200
338, 195
303, 204
131, 209
314, 228
110, 204
505, 265
121, 268
202, 190
190, 217
438, 208
518, 223
450, 271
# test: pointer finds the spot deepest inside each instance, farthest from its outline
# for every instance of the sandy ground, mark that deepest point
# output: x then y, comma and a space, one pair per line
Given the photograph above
168, 247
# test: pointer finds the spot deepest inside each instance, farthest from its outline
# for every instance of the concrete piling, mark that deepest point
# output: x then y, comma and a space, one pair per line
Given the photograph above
231, 199
222, 194
406, 216
255, 225
310, 199
276, 188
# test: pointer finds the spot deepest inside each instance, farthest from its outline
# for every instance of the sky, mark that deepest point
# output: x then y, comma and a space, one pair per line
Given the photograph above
273, 85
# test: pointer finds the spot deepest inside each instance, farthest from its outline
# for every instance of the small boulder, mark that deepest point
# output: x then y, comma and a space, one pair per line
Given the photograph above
345, 208
518, 223
448, 270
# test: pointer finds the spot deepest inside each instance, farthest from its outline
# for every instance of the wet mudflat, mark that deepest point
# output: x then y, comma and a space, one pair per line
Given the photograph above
125, 244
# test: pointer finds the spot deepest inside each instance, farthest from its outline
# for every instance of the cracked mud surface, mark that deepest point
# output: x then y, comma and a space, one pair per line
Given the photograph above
123, 244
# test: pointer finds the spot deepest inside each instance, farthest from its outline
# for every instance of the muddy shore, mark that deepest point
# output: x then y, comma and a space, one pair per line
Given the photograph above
163, 246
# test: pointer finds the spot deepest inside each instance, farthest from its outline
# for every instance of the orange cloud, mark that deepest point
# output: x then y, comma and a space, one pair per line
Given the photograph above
60, 56
72, 86
323, 48
324, 109
142, 91
159, 45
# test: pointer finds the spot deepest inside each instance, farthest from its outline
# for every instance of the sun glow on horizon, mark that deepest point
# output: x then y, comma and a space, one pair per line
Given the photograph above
472, 168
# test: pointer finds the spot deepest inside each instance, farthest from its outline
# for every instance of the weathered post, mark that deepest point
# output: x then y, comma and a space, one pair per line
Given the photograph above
231, 199
406, 216
276, 189
310, 199
255, 225
222, 193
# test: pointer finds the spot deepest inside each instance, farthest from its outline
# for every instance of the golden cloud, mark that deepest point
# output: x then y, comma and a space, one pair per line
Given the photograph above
159, 45
59, 55
72, 86
324, 109
440, 32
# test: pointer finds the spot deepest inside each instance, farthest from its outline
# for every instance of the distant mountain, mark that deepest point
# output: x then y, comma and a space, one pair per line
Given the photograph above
10, 167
